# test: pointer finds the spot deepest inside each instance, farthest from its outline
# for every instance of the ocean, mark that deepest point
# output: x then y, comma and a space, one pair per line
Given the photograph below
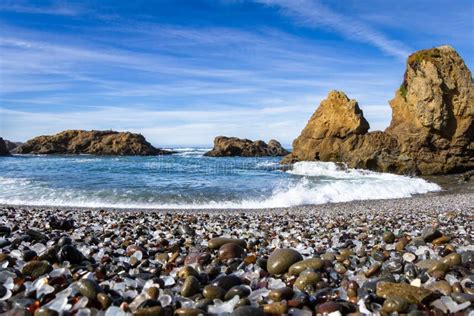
190, 180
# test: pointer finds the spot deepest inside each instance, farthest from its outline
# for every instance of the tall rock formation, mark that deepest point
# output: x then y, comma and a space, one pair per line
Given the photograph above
91, 142
232, 146
432, 112
431, 131
3, 148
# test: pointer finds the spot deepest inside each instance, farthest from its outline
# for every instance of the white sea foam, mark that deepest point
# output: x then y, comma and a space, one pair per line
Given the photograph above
315, 183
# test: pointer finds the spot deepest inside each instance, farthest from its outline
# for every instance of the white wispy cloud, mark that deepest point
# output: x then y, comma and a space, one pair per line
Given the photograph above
314, 14
55, 8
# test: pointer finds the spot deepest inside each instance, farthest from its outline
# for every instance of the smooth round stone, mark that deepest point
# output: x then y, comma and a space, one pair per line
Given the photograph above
307, 278
230, 251
340, 268
441, 240
213, 292
463, 297
418, 241
300, 266
189, 312
328, 307
452, 259
467, 257
277, 308
43, 311
64, 240
409, 257
190, 286
36, 268
395, 304
329, 256
430, 233
388, 237
227, 281
217, 242
247, 311
196, 257
283, 293
440, 286
104, 300
5, 231
432, 265
457, 287
281, 259
374, 269
153, 292
203, 303
187, 271
4, 242
29, 255
240, 290
88, 288
71, 254
149, 311
400, 244
345, 252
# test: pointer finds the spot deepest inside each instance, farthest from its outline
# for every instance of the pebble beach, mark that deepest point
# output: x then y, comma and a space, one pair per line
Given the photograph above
410, 256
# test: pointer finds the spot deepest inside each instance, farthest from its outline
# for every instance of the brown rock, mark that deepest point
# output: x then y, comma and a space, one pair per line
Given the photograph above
230, 251
431, 131
413, 294
232, 146
217, 242
91, 142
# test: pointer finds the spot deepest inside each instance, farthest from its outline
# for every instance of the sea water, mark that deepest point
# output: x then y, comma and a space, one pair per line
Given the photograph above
190, 180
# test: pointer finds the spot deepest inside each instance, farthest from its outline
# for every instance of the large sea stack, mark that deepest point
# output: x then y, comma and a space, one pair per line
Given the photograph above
91, 142
3, 148
431, 131
232, 146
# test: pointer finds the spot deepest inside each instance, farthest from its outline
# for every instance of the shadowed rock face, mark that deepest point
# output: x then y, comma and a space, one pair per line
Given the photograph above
232, 146
91, 142
12, 145
431, 131
3, 148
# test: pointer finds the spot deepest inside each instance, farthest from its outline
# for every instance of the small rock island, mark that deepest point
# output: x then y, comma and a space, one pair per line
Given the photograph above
232, 147
73, 142
431, 131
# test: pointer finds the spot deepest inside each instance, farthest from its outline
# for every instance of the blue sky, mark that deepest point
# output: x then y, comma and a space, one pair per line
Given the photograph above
183, 71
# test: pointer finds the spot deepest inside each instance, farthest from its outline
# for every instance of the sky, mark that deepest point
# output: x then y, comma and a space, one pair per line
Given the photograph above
181, 72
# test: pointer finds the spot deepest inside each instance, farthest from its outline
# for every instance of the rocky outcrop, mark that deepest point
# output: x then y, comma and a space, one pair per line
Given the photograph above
11, 145
3, 148
91, 142
232, 146
431, 131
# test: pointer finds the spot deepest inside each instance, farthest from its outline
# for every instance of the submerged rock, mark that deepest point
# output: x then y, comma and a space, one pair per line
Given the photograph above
232, 146
431, 132
91, 142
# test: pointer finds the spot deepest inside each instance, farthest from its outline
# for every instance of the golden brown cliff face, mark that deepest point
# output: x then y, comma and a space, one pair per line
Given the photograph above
431, 131
91, 142
432, 112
